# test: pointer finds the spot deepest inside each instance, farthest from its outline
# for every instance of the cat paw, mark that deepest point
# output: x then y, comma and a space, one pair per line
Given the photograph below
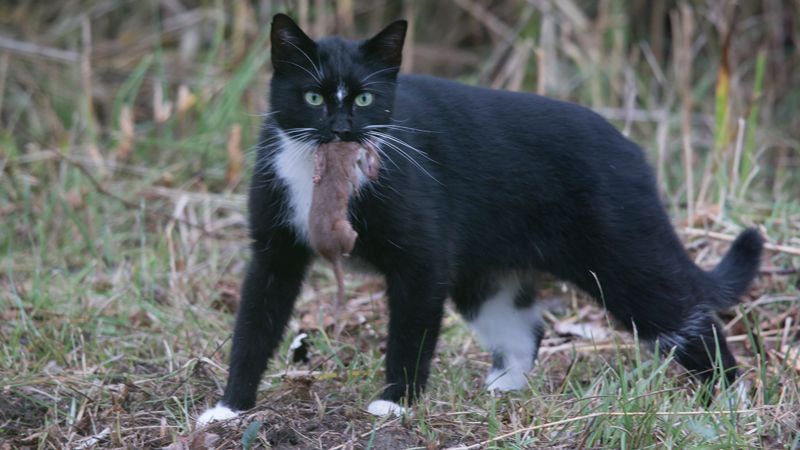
383, 408
215, 414
505, 380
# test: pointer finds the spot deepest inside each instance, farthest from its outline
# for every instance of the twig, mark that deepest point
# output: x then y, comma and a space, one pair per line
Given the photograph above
489, 20
99, 187
363, 435
31, 49
606, 414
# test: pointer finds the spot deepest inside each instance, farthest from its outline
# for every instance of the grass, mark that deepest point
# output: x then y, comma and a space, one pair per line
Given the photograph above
123, 237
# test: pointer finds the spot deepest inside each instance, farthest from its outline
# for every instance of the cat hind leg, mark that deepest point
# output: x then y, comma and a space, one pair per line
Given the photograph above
508, 323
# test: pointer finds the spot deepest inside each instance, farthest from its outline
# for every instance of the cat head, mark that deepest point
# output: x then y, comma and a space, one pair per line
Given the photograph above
333, 88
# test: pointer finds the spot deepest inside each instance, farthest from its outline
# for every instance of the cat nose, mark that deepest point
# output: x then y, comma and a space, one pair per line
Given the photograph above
341, 128
343, 132
345, 135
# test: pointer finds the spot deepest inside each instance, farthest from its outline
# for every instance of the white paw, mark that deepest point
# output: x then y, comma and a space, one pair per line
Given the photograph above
217, 413
383, 408
505, 380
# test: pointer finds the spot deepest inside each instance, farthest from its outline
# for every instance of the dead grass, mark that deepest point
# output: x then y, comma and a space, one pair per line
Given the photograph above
124, 158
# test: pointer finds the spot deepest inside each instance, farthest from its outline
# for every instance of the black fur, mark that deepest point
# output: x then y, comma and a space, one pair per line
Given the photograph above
508, 182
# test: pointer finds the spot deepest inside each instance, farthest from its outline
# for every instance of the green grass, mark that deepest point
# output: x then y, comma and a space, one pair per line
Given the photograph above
118, 272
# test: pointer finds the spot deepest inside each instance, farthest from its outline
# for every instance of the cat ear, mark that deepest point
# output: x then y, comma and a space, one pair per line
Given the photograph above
387, 46
289, 43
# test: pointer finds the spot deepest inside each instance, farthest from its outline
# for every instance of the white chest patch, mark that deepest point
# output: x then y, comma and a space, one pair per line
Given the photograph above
294, 165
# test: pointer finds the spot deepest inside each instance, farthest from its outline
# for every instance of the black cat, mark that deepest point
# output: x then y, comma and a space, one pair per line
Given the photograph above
479, 190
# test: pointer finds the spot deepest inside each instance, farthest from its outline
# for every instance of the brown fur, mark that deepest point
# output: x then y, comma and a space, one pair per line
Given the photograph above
335, 178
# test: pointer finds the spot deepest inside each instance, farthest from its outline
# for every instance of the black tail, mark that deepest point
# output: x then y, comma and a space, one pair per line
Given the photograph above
737, 269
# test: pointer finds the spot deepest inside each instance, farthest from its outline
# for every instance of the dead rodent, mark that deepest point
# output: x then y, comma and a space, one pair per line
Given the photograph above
335, 178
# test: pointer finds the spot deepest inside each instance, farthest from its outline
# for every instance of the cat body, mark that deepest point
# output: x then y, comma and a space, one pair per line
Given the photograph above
479, 191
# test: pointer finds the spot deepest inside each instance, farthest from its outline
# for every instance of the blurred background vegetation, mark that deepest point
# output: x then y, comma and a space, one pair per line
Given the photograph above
126, 134
116, 78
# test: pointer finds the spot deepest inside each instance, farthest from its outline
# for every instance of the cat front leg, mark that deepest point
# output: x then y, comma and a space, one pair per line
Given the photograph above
416, 305
272, 284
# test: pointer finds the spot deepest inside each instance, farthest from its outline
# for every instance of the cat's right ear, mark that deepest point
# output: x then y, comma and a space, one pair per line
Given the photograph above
387, 46
289, 43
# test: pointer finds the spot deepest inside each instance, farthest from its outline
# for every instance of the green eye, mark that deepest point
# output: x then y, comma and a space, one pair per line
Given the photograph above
364, 99
313, 98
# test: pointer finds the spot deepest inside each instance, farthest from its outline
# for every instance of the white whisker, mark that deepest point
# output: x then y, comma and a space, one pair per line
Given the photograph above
316, 69
377, 72
363, 85
405, 155
381, 151
301, 133
319, 82
264, 114
400, 128
404, 143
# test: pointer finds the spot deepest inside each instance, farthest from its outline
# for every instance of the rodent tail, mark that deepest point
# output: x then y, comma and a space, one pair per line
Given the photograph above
341, 293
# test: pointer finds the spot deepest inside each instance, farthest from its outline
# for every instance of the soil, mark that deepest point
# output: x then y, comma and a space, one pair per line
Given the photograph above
293, 424
19, 415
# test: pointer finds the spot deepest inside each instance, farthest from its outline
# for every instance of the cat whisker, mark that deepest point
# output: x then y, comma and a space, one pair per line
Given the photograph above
319, 82
300, 134
405, 144
377, 72
405, 155
391, 83
295, 133
374, 142
316, 69
400, 128
265, 161
304, 151
408, 157
264, 114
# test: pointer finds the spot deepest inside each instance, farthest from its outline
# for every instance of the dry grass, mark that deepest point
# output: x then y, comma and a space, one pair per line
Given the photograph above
124, 157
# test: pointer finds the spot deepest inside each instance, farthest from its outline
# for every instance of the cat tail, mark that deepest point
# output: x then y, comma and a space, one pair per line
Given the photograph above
738, 267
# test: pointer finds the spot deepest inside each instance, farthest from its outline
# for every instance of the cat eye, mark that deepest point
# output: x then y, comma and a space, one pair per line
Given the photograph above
364, 99
313, 98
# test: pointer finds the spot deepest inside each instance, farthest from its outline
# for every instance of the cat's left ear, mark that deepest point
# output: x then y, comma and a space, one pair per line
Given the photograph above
289, 42
387, 46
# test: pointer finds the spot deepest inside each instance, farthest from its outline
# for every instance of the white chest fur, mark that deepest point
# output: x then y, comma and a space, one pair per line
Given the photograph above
294, 165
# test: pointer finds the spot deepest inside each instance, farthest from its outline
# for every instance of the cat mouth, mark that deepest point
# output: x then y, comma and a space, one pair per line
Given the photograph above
336, 139
364, 141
